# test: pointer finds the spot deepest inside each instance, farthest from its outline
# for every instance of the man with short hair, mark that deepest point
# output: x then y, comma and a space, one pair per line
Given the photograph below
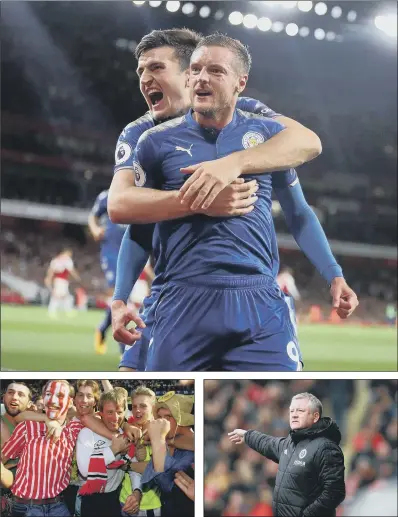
310, 478
16, 399
42, 475
100, 494
158, 53
220, 272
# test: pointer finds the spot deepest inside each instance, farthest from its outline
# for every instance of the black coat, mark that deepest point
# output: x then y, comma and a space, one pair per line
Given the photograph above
310, 479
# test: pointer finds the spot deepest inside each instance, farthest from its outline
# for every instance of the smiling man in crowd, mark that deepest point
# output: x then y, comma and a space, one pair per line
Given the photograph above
43, 470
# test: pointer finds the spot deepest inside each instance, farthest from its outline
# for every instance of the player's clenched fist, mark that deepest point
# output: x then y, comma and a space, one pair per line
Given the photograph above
158, 429
345, 300
121, 317
237, 436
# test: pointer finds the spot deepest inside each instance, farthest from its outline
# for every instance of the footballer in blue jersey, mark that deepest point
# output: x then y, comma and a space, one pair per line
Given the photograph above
162, 59
135, 356
109, 235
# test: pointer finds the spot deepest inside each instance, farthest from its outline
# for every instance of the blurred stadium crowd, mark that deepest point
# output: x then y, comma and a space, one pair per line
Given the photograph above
159, 387
239, 482
60, 126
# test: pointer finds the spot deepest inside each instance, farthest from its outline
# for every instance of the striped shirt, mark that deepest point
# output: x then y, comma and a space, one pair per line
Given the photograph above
44, 467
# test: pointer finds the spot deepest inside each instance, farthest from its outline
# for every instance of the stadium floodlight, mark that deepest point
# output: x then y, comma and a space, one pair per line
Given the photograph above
235, 18
304, 6
387, 24
219, 15
173, 6
319, 34
291, 29
204, 11
250, 21
288, 5
321, 8
336, 12
264, 24
277, 27
304, 32
139, 3
189, 8
330, 36
155, 3
351, 16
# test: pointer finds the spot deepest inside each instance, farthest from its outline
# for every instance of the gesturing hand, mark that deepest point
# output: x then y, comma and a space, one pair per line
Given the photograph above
344, 298
121, 317
54, 430
186, 484
207, 180
237, 436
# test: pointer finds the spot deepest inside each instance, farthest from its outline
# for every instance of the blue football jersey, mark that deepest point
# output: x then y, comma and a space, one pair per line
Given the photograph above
124, 160
113, 232
201, 245
131, 133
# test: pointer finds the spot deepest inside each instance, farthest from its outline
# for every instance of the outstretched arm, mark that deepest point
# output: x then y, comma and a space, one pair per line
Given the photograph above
266, 445
310, 236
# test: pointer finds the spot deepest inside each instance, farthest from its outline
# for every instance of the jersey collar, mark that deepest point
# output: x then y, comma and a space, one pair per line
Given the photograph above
210, 130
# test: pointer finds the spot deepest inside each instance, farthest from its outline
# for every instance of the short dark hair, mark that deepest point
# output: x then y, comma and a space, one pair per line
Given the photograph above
22, 384
183, 41
237, 47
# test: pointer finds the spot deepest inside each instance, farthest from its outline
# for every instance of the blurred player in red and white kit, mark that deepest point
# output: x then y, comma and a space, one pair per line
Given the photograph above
141, 288
287, 283
57, 281
288, 286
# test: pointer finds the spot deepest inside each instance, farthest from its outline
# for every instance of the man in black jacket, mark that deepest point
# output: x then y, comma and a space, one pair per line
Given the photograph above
310, 478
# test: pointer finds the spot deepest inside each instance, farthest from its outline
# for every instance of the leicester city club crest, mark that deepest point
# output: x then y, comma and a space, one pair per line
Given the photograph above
251, 139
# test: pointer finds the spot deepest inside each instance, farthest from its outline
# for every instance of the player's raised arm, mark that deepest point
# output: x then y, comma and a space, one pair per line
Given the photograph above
310, 236
128, 202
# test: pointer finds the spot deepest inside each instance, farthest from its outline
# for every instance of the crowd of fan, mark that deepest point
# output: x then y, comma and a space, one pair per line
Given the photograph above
239, 482
125, 449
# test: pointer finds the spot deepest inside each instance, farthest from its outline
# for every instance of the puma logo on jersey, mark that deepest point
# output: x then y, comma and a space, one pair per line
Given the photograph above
178, 148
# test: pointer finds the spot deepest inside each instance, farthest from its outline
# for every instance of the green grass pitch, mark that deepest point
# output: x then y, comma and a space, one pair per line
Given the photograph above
31, 341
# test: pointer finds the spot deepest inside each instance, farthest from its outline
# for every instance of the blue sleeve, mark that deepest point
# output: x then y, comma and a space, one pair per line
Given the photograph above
304, 224
101, 205
125, 146
271, 126
130, 263
165, 480
255, 106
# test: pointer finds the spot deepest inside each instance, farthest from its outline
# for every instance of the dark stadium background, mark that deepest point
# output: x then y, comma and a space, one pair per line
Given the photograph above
68, 87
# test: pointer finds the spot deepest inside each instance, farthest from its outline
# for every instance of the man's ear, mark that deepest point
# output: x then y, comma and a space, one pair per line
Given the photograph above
242, 83
187, 78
